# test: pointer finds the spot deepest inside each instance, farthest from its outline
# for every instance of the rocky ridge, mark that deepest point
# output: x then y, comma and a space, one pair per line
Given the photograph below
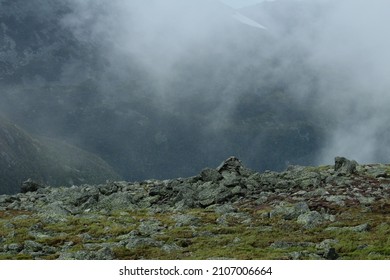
326, 212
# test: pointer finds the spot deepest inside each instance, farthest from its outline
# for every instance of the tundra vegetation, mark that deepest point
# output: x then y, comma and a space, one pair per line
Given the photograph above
228, 212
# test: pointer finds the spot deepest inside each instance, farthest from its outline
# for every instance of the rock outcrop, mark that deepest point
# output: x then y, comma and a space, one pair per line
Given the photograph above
133, 219
343, 165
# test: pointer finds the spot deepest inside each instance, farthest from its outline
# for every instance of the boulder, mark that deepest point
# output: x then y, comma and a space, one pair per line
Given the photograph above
345, 166
209, 174
30, 186
290, 212
186, 220
232, 164
310, 219
331, 254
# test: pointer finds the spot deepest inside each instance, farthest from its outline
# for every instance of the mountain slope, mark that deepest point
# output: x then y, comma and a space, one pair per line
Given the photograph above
45, 160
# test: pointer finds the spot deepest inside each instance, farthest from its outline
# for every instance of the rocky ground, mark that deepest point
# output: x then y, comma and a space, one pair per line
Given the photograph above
230, 212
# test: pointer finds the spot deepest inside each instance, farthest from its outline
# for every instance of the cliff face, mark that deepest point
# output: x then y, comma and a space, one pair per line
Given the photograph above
45, 160
326, 212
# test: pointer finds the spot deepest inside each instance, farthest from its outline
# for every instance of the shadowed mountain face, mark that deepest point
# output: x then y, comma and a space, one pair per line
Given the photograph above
45, 160
157, 90
34, 44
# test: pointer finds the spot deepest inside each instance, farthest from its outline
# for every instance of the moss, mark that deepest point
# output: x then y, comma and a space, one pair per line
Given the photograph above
208, 239
22, 257
320, 168
51, 257
145, 252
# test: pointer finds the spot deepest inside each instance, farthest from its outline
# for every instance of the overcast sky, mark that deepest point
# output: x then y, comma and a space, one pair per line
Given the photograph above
242, 3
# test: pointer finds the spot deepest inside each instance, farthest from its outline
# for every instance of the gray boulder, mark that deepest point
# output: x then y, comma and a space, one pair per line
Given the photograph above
310, 219
232, 164
290, 212
30, 186
345, 166
209, 174
186, 220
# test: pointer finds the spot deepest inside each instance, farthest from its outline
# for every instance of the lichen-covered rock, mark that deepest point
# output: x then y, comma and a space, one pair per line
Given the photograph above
234, 218
358, 228
310, 219
346, 166
32, 246
290, 212
210, 175
150, 227
116, 201
186, 220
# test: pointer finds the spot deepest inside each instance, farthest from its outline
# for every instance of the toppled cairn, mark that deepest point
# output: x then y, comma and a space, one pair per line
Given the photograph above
227, 212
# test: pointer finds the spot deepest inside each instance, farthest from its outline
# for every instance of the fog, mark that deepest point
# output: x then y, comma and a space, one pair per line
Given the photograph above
159, 36
348, 52
165, 88
352, 56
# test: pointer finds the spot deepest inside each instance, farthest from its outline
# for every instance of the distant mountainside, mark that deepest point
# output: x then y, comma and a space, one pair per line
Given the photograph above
34, 44
155, 103
45, 160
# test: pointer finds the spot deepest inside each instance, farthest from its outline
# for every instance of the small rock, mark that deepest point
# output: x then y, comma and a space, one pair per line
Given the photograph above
290, 212
296, 255
225, 208
330, 254
366, 200
359, 228
337, 199
171, 248
232, 164
286, 244
317, 192
326, 244
135, 242
54, 209
32, 246
234, 218
104, 254
149, 227
310, 220
378, 171
15, 247
185, 220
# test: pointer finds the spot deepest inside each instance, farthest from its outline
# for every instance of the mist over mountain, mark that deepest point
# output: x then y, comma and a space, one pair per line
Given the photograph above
45, 161
347, 51
163, 89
